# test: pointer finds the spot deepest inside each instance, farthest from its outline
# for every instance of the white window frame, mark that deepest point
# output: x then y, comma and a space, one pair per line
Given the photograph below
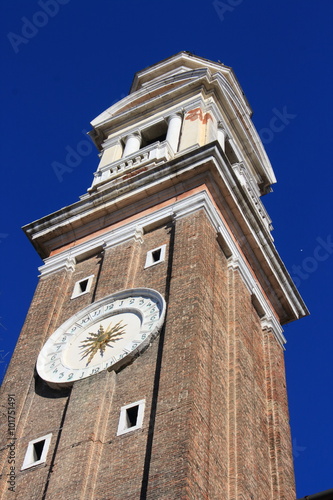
149, 258
29, 459
123, 426
77, 289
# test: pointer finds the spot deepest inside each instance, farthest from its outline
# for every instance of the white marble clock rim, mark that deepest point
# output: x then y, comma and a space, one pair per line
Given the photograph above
144, 293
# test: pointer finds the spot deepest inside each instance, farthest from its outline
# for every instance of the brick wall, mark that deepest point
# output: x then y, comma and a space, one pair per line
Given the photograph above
216, 417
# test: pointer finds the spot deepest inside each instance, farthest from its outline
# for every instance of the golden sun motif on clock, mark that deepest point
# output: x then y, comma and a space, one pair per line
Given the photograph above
100, 340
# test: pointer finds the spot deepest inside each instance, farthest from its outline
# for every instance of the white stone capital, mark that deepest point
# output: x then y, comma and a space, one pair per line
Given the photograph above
57, 263
176, 114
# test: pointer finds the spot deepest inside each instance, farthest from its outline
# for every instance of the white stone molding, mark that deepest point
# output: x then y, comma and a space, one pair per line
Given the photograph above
270, 323
57, 263
111, 141
197, 102
138, 235
235, 263
67, 259
127, 233
253, 194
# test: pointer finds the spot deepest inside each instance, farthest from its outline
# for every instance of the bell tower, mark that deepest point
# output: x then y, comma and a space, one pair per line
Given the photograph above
150, 364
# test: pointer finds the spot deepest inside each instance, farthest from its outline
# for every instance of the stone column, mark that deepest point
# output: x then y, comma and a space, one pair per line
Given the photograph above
133, 143
221, 134
174, 126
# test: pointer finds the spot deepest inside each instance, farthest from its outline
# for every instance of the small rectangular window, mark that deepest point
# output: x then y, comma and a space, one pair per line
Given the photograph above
36, 451
131, 417
155, 256
82, 286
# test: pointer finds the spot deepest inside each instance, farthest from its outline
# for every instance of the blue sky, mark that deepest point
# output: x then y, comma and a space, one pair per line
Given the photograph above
61, 68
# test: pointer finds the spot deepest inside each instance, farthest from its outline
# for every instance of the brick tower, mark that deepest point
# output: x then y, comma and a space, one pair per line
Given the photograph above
150, 365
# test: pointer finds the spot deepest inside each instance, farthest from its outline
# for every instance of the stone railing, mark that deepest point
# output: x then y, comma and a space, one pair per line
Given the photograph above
152, 154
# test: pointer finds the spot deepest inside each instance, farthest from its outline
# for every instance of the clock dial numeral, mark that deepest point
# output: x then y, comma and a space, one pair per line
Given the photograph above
124, 353
70, 333
96, 313
75, 328
148, 325
109, 307
54, 364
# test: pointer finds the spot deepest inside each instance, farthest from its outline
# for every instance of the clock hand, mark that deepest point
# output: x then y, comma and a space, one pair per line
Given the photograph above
101, 339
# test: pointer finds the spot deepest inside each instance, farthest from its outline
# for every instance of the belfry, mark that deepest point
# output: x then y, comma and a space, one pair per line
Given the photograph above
150, 364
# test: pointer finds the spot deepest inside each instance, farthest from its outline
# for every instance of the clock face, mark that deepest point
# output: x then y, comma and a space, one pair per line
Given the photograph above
105, 335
